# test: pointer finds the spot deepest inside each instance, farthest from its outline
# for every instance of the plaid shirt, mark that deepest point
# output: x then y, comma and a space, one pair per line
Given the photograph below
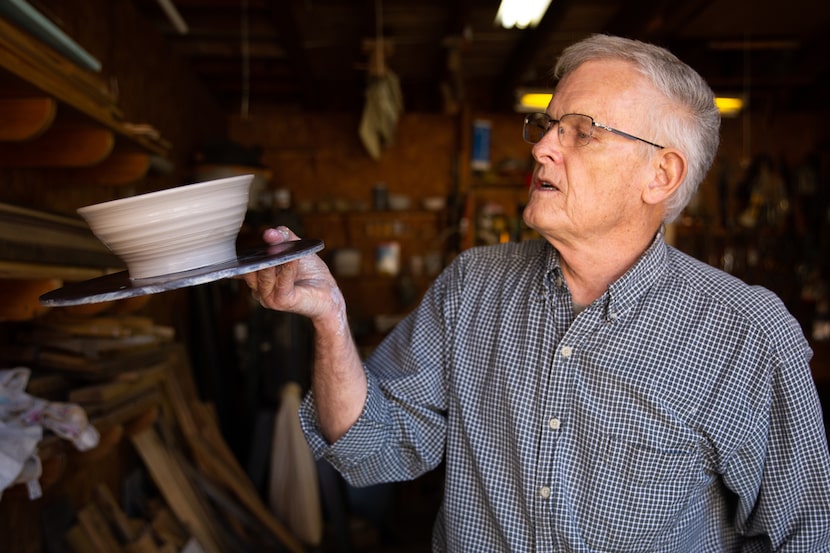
676, 413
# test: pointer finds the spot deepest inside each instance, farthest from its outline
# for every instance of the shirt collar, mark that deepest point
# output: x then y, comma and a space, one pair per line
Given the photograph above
627, 290
624, 292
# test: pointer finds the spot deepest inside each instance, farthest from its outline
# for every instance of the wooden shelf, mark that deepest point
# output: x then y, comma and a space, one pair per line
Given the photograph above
56, 116
41, 75
63, 121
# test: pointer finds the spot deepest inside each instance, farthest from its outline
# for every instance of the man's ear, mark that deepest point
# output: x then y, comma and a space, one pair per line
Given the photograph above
669, 171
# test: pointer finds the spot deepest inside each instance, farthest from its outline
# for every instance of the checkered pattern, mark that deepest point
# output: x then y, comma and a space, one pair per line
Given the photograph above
675, 414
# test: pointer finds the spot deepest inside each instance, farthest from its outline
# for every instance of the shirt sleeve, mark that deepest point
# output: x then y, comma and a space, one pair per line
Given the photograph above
401, 431
782, 472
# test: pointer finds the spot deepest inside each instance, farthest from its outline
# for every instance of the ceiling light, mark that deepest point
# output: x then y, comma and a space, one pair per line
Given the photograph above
521, 13
532, 100
729, 106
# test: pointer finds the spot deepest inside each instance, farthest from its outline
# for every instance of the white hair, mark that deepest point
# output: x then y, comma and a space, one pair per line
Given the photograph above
688, 121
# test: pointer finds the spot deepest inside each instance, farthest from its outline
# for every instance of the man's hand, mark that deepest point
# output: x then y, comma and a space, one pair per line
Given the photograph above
304, 286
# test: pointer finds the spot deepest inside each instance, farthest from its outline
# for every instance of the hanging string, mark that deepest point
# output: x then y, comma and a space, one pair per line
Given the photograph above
380, 50
246, 62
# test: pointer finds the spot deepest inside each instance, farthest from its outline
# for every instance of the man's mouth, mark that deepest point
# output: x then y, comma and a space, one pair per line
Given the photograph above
545, 185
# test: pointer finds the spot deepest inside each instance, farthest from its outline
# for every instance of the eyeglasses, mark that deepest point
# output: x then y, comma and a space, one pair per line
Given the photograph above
574, 129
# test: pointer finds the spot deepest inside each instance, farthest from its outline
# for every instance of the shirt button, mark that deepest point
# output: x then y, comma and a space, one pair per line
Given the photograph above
567, 351
554, 423
544, 492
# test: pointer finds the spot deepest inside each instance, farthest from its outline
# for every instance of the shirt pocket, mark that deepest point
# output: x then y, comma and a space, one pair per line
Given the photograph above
635, 492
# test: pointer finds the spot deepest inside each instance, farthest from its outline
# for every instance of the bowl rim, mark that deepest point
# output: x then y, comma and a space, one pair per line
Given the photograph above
175, 190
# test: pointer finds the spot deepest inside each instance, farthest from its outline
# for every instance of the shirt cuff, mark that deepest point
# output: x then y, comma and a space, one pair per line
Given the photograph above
364, 439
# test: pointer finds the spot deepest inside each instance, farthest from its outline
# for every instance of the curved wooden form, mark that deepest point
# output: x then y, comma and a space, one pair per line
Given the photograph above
123, 166
89, 145
25, 118
27, 58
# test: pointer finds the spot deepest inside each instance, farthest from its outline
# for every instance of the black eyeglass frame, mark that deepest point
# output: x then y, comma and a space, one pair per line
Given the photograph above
552, 122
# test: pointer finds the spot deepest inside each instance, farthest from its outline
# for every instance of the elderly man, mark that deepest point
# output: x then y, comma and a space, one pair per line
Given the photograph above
594, 390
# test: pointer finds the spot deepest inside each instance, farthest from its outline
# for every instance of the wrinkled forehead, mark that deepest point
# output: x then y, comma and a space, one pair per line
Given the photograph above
603, 89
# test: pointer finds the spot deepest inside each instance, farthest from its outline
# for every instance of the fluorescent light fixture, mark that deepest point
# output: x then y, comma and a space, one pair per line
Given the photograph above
521, 13
529, 100
729, 107
532, 100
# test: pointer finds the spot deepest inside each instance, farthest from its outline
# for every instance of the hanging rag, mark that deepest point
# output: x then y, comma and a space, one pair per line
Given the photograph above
381, 110
294, 491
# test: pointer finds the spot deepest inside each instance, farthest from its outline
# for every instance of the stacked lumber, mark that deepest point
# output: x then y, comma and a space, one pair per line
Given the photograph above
215, 468
136, 385
102, 526
38, 245
89, 348
198, 475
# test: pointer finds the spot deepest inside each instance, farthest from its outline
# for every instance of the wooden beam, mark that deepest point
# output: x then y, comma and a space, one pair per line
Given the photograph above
25, 118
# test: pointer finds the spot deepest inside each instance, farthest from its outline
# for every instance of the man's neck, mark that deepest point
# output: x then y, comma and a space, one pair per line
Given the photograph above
590, 269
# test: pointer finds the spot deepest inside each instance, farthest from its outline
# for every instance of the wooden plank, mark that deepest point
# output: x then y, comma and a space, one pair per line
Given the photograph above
129, 411
177, 489
125, 386
27, 17
96, 527
90, 146
25, 118
93, 368
42, 231
102, 327
167, 529
90, 347
39, 64
24, 215
79, 541
17, 269
24, 253
143, 544
112, 512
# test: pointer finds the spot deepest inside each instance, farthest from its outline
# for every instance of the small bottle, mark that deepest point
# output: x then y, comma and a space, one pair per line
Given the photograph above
380, 197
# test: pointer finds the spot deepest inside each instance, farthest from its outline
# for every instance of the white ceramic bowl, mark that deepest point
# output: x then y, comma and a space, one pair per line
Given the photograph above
173, 230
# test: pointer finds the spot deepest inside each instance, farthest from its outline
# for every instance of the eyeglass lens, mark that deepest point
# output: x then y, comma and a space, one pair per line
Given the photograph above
573, 129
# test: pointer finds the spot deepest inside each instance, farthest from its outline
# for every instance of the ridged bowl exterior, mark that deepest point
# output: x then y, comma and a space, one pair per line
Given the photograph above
173, 230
